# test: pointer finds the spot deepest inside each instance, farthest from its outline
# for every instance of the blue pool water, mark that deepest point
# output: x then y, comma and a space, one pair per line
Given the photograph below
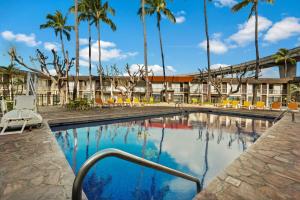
200, 144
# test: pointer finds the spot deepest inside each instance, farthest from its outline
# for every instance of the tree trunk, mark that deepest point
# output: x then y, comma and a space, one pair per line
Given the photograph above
285, 68
145, 51
208, 54
77, 51
99, 61
257, 56
162, 60
90, 58
62, 44
67, 69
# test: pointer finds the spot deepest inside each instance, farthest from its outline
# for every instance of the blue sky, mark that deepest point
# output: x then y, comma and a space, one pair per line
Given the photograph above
231, 33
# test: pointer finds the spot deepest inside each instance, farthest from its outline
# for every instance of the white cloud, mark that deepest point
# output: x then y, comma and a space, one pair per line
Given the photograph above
217, 66
180, 17
216, 46
108, 52
272, 72
224, 3
288, 27
83, 41
247, 30
85, 63
52, 72
156, 69
51, 45
29, 40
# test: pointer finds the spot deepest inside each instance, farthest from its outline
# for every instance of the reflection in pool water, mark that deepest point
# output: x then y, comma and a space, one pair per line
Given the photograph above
199, 144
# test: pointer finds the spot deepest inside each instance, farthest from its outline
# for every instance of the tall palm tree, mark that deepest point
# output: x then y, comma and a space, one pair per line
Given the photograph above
254, 11
100, 14
207, 51
145, 49
85, 14
76, 50
58, 22
283, 56
159, 7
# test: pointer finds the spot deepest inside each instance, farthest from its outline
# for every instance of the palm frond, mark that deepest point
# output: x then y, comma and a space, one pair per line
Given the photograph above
240, 5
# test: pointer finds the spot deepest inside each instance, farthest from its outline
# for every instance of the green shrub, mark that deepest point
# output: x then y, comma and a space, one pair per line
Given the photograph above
79, 104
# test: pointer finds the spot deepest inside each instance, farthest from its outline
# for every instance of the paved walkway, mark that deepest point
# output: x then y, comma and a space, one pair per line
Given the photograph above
269, 169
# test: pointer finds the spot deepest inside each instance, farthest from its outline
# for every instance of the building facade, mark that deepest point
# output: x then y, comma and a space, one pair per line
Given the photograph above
179, 89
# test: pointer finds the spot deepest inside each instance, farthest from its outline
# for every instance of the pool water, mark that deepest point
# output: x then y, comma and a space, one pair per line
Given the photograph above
200, 144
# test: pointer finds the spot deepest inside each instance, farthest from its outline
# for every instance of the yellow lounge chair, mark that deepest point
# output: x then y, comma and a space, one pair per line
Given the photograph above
276, 105
136, 101
151, 100
224, 103
120, 102
194, 101
111, 102
260, 105
247, 105
128, 101
235, 104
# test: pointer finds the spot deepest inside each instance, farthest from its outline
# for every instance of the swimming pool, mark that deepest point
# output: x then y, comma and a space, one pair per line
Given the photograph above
200, 144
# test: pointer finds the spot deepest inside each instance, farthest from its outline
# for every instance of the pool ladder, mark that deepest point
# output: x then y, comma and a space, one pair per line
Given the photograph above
77, 185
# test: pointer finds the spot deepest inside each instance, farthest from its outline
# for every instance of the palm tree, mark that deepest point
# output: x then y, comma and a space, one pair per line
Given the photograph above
58, 22
283, 56
159, 7
254, 11
76, 50
207, 52
85, 14
145, 49
100, 13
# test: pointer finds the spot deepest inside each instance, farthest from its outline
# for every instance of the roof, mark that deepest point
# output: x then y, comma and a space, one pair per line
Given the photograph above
172, 79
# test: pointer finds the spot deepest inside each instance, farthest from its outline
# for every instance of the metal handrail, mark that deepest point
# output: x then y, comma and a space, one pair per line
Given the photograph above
77, 185
279, 116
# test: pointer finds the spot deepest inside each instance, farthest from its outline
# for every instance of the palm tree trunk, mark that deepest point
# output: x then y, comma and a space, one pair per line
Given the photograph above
257, 56
77, 51
90, 58
162, 59
62, 44
99, 61
285, 69
208, 54
145, 51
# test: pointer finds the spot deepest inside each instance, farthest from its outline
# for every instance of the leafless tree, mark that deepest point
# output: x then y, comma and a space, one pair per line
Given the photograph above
237, 77
61, 67
127, 81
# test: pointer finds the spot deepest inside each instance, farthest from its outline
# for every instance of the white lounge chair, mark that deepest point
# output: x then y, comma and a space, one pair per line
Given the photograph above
24, 114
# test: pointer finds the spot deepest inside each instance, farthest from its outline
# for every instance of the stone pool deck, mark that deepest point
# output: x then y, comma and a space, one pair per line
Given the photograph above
269, 169
32, 166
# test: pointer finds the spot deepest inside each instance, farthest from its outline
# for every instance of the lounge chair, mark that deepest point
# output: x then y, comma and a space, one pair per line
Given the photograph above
111, 102
120, 102
224, 103
247, 105
3, 107
194, 101
128, 102
276, 106
136, 102
293, 106
151, 100
235, 104
260, 105
24, 114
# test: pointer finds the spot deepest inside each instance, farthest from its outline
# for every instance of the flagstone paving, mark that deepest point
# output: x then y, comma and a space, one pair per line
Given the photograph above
269, 169
32, 166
